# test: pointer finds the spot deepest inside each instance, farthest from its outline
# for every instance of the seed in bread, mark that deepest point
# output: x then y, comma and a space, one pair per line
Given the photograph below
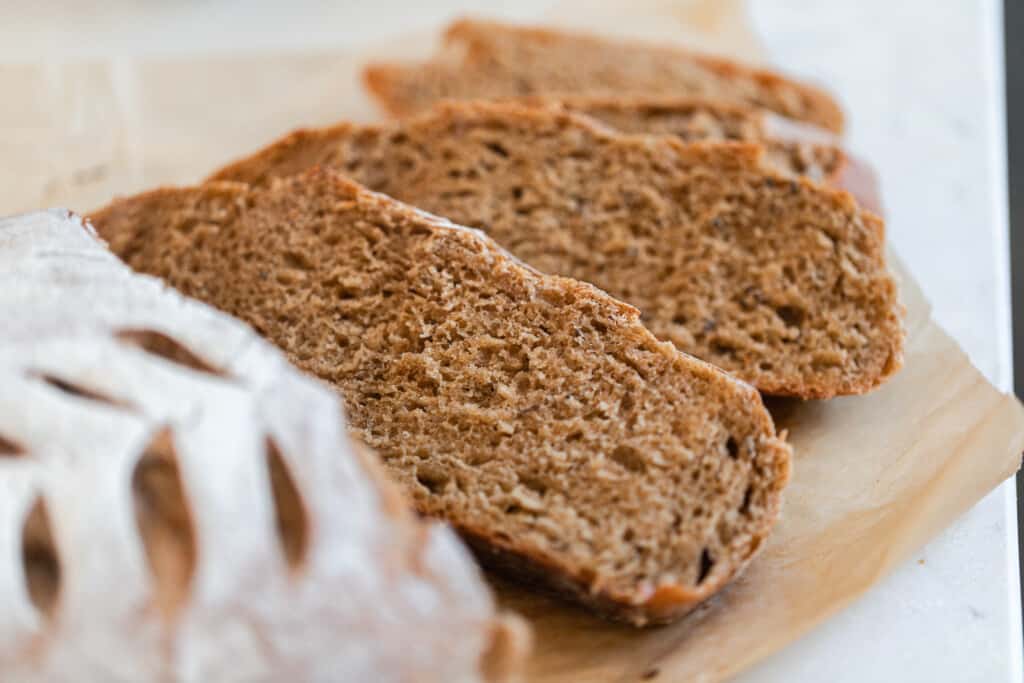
533, 412
780, 281
491, 60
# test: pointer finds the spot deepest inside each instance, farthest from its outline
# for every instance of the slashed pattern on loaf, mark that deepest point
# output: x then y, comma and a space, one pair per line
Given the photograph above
178, 503
533, 412
778, 280
488, 60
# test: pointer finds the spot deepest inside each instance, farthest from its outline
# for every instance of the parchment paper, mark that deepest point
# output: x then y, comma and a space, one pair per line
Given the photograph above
875, 477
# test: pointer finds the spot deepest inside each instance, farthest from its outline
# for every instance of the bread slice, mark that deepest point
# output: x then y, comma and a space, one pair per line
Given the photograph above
486, 59
533, 412
791, 148
778, 280
178, 503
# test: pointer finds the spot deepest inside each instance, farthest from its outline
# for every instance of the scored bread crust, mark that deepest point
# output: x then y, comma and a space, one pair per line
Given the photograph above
190, 505
778, 280
535, 413
485, 59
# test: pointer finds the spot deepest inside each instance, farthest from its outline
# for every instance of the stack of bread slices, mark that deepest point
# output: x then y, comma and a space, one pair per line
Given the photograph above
551, 292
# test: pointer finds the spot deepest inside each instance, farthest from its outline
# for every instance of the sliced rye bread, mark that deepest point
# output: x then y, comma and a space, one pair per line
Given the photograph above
780, 281
490, 60
791, 148
533, 412
178, 503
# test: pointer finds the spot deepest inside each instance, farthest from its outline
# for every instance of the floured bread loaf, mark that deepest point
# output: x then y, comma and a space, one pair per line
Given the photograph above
778, 280
488, 60
791, 148
534, 412
179, 504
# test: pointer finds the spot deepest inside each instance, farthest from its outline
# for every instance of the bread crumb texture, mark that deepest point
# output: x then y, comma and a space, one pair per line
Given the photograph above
779, 280
534, 412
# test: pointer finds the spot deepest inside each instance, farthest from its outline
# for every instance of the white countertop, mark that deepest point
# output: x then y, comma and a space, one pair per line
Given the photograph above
922, 81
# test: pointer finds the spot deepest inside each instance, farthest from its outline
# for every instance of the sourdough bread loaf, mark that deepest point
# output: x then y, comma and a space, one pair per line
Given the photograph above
489, 60
533, 412
178, 504
778, 280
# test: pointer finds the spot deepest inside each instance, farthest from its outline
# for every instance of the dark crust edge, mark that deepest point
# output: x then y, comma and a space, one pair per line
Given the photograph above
533, 573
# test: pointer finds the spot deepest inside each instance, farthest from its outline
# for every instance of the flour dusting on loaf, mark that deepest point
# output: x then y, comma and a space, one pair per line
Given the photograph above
179, 504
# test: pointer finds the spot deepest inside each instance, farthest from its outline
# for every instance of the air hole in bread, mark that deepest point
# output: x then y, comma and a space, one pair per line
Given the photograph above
289, 510
706, 564
534, 484
723, 349
629, 458
732, 447
159, 344
10, 448
793, 316
40, 560
747, 495
165, 523
297, 260
188, 226
77, 390
497, 148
